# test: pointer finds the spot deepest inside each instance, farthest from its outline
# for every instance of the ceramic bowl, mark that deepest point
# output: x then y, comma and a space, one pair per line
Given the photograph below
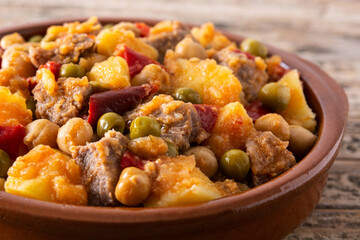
269, 211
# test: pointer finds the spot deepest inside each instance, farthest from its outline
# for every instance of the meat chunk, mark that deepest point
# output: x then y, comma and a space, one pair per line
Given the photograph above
268, 157
251, 78
100, 165
165, 40
65, 49
180, 122
70, 98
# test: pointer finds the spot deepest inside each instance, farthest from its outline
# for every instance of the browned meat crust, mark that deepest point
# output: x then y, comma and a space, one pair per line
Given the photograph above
268, 157
100, 164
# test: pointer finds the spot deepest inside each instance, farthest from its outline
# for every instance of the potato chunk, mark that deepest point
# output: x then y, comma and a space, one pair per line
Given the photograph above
112, 73
177, 181
216, 84
108, 39
298, 111
13, 109
10, 78
46, 174
232, 128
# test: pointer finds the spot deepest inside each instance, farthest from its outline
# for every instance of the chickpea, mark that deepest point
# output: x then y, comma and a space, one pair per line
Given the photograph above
41, 131
274, 123
16, 56
75, 132
133, 187
152, 74
205, 160
301, 140
148, 147
188, 48
11, 39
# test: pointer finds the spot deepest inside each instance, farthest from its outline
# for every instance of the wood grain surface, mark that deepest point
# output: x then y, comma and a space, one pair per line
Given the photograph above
325, 32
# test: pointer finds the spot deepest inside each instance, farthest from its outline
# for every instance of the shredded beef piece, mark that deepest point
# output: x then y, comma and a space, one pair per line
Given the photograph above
66, 49
100, 165
167, 40
180, 122
268, 157
251, 78
69, 99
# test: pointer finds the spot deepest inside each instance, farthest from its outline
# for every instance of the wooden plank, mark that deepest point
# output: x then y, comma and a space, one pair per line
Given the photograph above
329, 224
343, 186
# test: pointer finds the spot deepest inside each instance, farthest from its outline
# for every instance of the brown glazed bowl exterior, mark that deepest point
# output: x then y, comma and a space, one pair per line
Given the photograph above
270, 211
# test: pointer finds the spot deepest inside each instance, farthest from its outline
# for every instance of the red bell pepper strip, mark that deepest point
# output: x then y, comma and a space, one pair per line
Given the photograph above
136, 61
11, 138
54, 67
131, 160
208, 115
248, 55
256, 109
144, 29
118, 101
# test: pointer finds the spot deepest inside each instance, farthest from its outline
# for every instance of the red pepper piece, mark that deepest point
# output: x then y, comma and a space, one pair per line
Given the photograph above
54, 67
32, 83
11, 138
118, 101
256, 109
208, 115
248, 55
144, 29
136, 61
131, 160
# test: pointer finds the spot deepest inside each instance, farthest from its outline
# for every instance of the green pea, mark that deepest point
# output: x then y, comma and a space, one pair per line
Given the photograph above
110, 121
144, 126
254, 47
72, 70
235, 164
99, 87
107, 26
275, 96
186, 94
31, 105
5, 163
172, 149
35, 39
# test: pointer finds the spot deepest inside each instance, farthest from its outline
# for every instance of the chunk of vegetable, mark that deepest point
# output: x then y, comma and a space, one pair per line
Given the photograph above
232, 129
254, 47
131, 160
144, 29
46, 174
13, 109
177, 181
11, 139
118, 101
301, 140
216, 84
188, 48
256, 109
148, 147
5, 163
274, 123
186, 94
11, 39
112, 73
275, 96
135, 60
108, 39
72, 70
208, 115
205, 160
297, 111
54, 67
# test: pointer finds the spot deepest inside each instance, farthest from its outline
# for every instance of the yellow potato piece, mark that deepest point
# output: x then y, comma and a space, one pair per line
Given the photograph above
108, 39
10, 78
111, 73
216, 84
46, 174
13, 109
179, 182
298, 111
232, 128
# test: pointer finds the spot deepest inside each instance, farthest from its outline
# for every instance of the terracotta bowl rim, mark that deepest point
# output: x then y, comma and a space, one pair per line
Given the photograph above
333, 115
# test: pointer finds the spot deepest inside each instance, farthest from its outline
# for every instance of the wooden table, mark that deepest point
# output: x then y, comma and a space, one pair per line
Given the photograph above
326, 32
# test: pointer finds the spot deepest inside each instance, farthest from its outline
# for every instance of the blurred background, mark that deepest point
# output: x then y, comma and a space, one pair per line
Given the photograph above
325, 32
